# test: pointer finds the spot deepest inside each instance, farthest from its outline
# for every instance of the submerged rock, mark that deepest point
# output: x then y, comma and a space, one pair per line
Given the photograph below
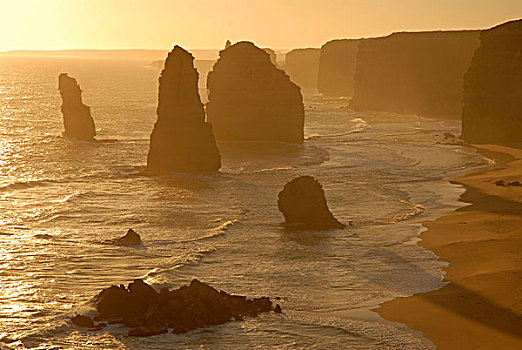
130, 239
302, 202
251, 100
77, 119
492, 111
182, 141
198, 305
83, 321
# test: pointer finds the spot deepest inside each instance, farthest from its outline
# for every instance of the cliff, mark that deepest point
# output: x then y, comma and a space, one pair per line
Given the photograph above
77, 119
181, 140
492, 110
250, 99
337, 67
302, 65
414, 73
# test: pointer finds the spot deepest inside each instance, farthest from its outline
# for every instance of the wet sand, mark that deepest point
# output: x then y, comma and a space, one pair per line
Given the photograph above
481, 307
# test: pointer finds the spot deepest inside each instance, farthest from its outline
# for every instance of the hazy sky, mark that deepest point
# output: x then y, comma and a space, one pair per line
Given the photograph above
68, 24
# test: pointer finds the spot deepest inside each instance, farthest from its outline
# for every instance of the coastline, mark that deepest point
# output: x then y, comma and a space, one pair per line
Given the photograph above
481, 307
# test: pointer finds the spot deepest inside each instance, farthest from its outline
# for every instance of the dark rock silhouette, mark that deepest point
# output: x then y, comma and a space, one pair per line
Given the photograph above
337, 64
228, 44
77, 119
492, 111
414, 73
250, 99
130, 239
302, 65
181, 140
198, 305
83, 321
302, 202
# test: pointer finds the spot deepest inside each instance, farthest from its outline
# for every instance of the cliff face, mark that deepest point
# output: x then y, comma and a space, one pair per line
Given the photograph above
337, 67
492, 109
414, 73
250, 99
181, 140
302, 65
77, 119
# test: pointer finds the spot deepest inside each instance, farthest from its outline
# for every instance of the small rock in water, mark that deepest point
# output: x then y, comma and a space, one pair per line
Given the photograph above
130, 239
147, 312
302, 201
83, 321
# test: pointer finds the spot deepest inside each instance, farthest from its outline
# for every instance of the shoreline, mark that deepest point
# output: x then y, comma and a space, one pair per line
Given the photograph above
481, 306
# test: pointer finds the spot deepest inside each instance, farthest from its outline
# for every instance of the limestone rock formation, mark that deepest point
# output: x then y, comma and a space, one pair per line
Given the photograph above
130, 239
181, 140
302, 202
337, 64
302, 65
250, 99
147, 312
492, 111
77, 119
414, 73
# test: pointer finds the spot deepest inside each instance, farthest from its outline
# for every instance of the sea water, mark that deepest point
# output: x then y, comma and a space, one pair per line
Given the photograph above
61, 199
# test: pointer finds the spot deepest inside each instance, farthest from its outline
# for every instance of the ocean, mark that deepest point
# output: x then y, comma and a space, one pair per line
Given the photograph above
61, 199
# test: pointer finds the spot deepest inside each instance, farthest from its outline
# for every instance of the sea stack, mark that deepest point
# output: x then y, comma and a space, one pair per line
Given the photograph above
303, 203
182, 141
492, 110
336, 71
302, 65
252, 100
77, 119
417, 73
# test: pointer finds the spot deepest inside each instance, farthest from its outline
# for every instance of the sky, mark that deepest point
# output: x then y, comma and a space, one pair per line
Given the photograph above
207, 24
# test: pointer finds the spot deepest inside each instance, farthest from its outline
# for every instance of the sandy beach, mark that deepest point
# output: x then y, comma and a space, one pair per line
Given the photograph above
481, 306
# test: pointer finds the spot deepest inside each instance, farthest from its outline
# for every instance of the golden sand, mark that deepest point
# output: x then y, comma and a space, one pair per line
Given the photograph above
481, 307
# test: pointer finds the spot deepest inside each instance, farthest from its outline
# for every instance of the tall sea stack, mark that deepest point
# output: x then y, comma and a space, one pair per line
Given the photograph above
77, 119
492, 111
181, 140
414, 73
251, 100
337, 67
302, 65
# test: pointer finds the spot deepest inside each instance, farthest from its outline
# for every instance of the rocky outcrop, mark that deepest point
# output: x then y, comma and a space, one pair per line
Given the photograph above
147, 312
414, 73
337, 63
492, 111
303, 204
181, 140
302, 65
250, 99
130, 239
77, 119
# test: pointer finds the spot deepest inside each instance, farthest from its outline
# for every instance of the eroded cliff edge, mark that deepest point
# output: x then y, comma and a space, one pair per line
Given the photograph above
337, 64
251, 100
414, 72
302, 65
77, 119
492, 111
182, 141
